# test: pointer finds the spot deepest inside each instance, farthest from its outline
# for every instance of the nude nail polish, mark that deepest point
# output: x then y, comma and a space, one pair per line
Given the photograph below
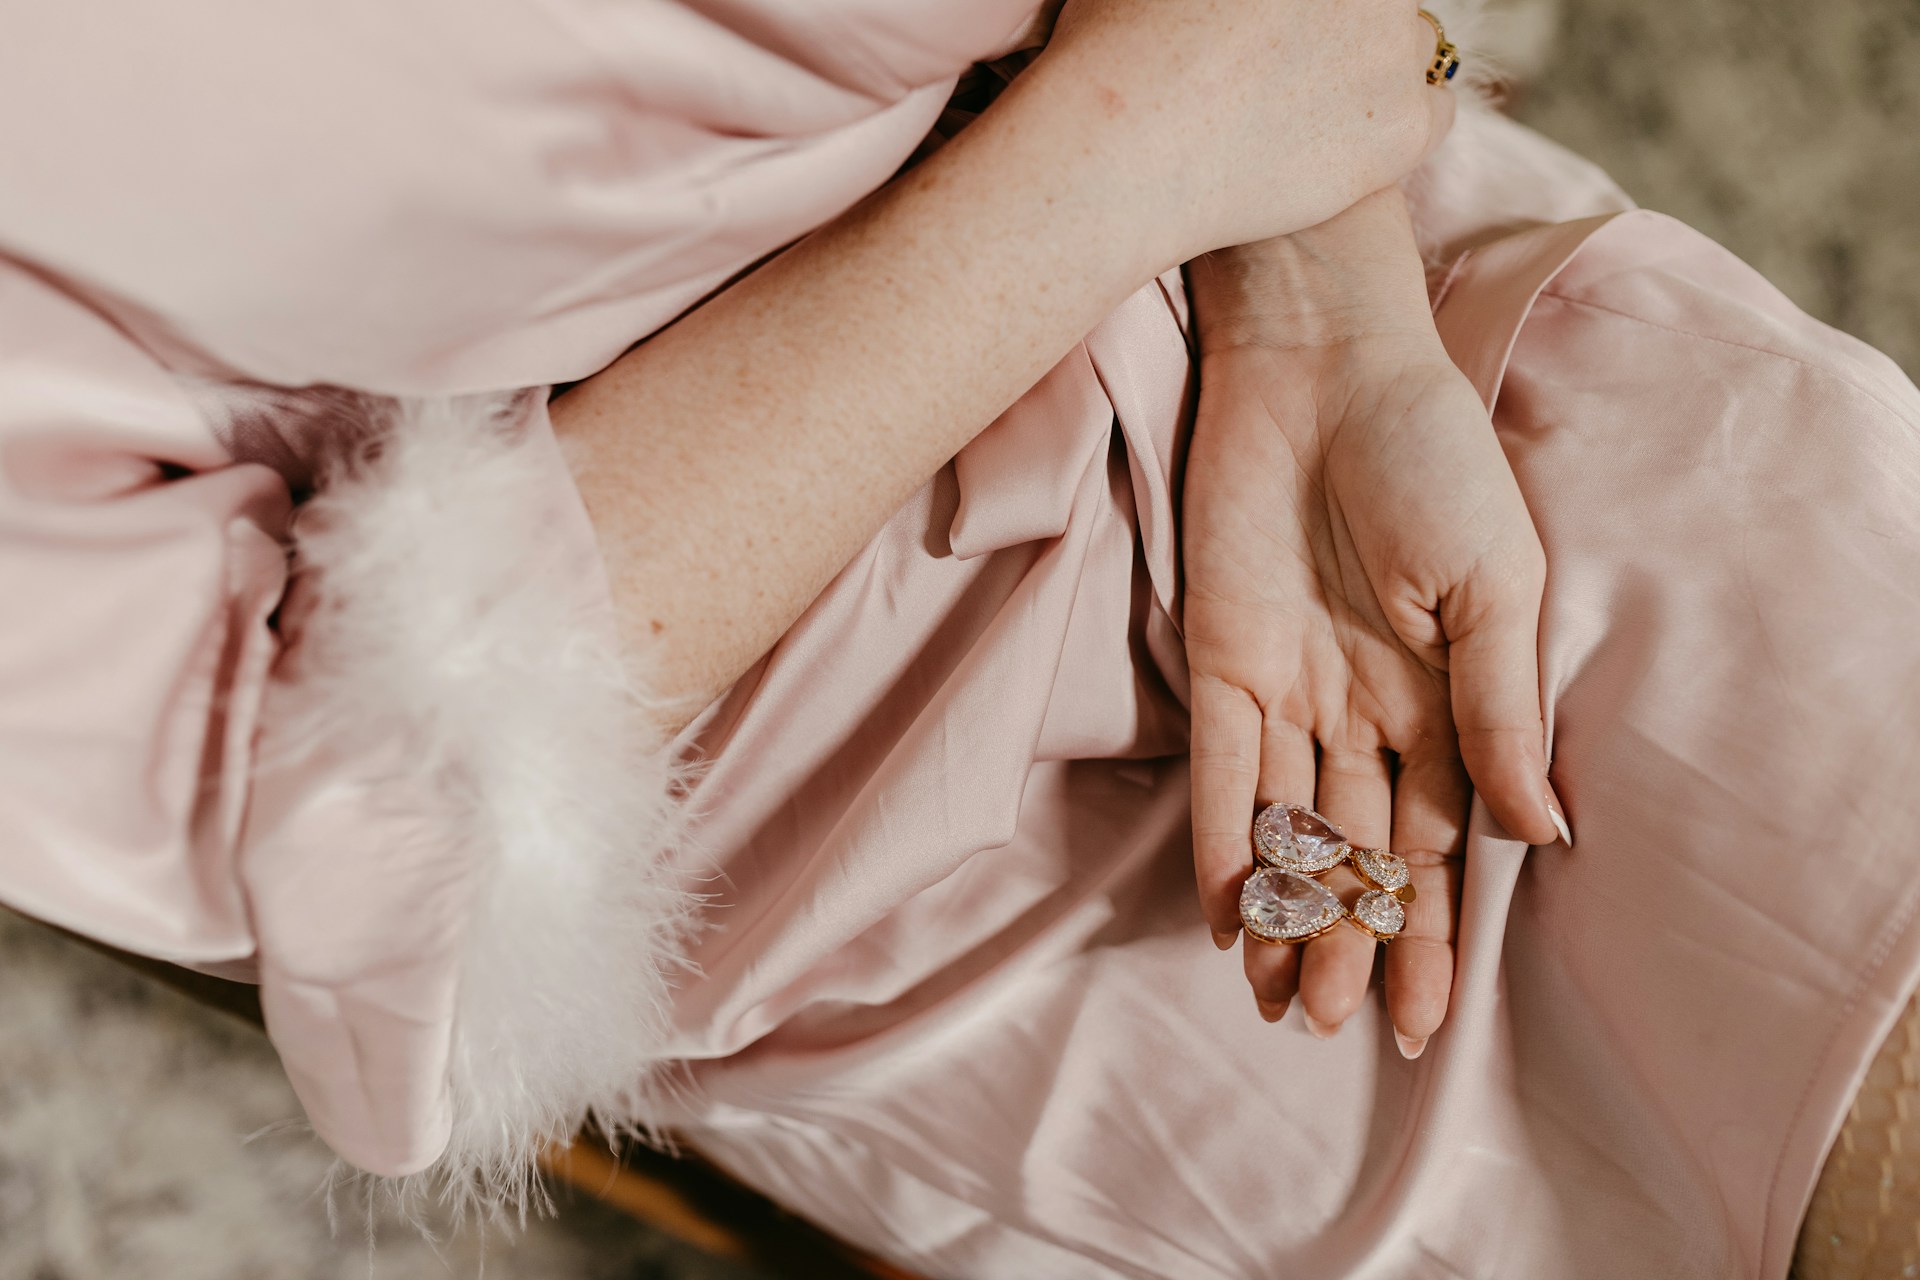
1320, 1030
1271, 1012
1410, 1048
1225, 941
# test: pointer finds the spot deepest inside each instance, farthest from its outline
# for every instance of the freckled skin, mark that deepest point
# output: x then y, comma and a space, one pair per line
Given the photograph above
743, 455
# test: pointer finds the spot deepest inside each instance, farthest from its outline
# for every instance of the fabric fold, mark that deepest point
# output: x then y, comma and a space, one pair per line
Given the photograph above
955, 998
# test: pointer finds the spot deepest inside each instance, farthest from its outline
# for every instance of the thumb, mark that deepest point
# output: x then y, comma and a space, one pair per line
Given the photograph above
1493, 662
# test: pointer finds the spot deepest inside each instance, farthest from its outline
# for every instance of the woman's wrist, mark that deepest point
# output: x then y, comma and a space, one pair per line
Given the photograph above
1357, 275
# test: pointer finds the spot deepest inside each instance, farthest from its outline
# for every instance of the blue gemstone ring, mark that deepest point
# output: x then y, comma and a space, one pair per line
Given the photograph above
1446, 58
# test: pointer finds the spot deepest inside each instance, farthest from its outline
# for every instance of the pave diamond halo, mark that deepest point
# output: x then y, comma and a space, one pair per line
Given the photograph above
1294, 838
1277, 905
1383, 870
1379, 913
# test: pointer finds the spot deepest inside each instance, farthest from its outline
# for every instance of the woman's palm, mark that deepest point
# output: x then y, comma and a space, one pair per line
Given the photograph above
1351, 531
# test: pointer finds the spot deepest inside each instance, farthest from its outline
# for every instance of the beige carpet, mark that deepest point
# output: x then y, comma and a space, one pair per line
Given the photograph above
135, 1130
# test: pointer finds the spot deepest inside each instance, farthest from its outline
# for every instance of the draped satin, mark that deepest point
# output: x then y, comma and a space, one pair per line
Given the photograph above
954, 998
957, 999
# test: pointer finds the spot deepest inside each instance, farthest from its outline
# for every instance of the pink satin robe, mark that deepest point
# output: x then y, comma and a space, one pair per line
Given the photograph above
956, 1001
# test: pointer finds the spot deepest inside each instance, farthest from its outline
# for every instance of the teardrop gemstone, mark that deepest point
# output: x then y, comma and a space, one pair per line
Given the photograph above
1297, 839
1380, 914
1383, 870
1279, 906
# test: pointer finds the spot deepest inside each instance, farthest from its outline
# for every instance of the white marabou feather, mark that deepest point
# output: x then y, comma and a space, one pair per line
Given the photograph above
446, 613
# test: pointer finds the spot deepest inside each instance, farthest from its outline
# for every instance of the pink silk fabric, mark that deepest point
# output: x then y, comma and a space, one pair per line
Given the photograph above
405, 197
956, 1001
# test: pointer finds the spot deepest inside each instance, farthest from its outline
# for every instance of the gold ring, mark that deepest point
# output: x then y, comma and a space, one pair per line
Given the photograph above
1384, 871
1446, 57
1281, 903
1282, 908
1295, 838
1378, 914
1279, 906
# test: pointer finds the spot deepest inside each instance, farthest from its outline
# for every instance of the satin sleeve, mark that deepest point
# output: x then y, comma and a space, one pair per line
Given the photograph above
140, 566
387, 758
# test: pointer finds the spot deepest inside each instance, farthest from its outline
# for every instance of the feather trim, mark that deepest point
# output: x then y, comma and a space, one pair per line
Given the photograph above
454, 604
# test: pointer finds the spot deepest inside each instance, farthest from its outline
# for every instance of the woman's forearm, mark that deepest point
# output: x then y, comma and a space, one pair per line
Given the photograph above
740, 458
737, 460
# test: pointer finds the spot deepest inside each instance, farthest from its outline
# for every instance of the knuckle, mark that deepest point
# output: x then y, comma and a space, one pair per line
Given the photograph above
1223, 760
1429, 922
1351, 764
1423, 858
1222, 842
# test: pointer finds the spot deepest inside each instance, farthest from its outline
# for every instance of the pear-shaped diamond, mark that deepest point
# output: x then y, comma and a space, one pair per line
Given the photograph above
1380, 914
1381, 869
1279, 906
1297, 839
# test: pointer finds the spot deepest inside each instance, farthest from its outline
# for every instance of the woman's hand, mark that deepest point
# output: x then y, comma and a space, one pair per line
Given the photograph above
1229, 121
1362, 599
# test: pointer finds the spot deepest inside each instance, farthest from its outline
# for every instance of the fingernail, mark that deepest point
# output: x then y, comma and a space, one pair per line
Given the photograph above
1559, 820
1409, 1047
1321, 1030
1225, 941
1271, 1012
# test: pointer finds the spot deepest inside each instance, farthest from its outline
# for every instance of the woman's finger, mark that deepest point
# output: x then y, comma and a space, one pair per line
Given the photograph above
1226, 772
1493, 663
1336, 967
1355, 791
1420, 961
1431, 799
1430, 802
1286, 764
1274, 974
1286, 773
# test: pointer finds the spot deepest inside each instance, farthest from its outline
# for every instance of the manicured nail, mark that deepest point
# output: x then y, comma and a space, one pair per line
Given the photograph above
1322, 1030
1410, 1048
1559, 820
1269, 1011
1225, 941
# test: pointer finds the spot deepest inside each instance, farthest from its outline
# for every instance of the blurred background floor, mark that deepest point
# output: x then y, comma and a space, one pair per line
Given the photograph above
1790, 132
143, 1137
